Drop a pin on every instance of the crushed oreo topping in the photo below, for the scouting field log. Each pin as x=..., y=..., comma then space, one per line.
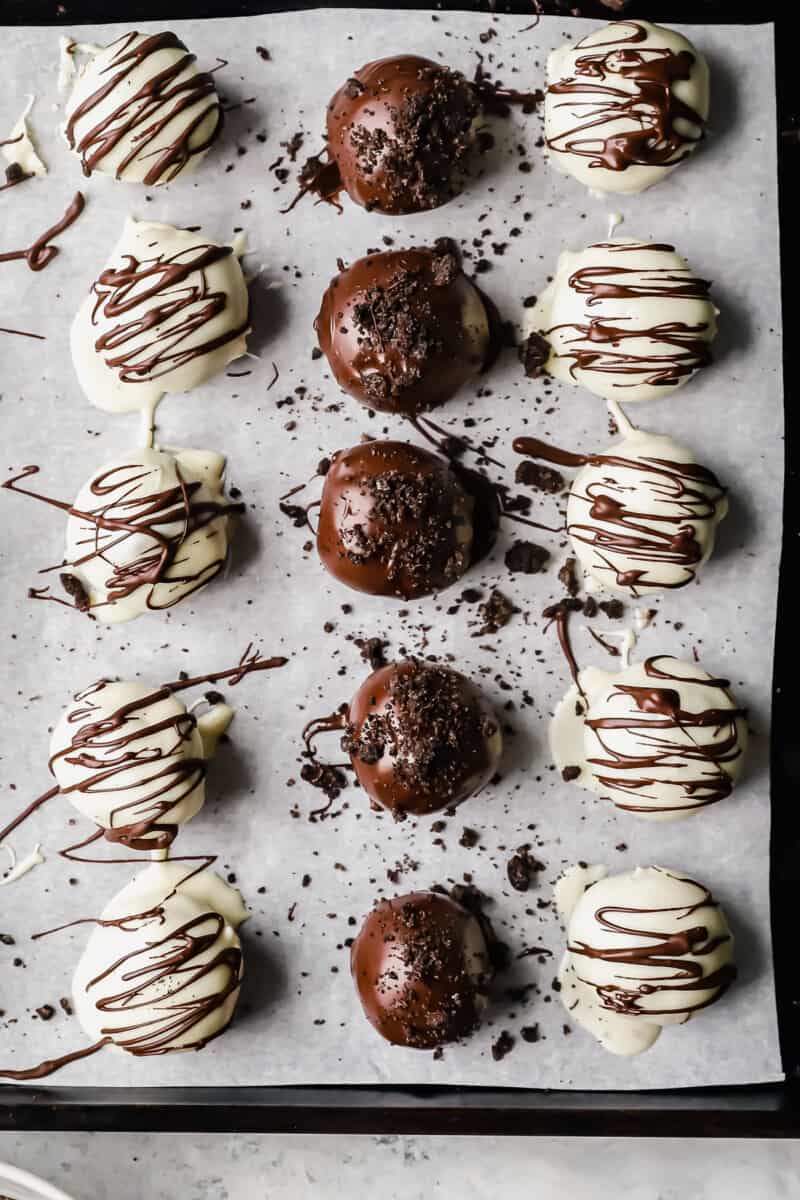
x=526, y=558
x=425, y=729
x=533, y=354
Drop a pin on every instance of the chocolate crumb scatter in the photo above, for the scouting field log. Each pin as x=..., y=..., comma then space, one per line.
x=526, y=558
x=75, y=589
x=522, y=869
x=328, y=778
x=540, y=477
x=502, y=1046
x=533, y=354
x=568, y=576
x=372, y=651
x=494, y=614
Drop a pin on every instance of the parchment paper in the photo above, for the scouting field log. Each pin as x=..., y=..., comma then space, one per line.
x=299, y=1020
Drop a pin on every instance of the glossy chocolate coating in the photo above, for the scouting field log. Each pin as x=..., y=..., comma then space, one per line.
x=421, y=967
x=421, y=737
x=394, y=520
x=404, y=330
x=399, y=130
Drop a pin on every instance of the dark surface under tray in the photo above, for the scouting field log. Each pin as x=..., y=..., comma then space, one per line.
x=760, y=1111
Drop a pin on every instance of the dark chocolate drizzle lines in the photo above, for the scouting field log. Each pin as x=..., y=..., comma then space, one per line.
x=23, y=333
x=662, y=951
x=108, y=747
x=685, y=496
x=143, y=114
x=157, y=296
x=50, y=1065
x=649, y=744
x=672, y=351
x=603, y=108
x=126, y=512
x=161, y=975
x=41, y=252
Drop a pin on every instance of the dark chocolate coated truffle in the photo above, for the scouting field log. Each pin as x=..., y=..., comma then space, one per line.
x=405, y=329
x=399, y=131
x=421, y=737
x=422, y=970
x=394, y=520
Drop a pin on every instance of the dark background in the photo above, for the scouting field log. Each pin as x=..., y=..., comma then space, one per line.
x=757, y=1111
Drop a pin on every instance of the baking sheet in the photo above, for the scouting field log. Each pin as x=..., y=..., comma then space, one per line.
x=299, y=1021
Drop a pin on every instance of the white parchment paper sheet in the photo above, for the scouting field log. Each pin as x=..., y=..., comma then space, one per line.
x=299, y=1020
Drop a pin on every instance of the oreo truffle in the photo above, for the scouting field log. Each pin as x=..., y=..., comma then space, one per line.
x=421, y=966
x=399, y=131
x=421, y=737
x=394, y=520
x=645, y=949
x=404, y=330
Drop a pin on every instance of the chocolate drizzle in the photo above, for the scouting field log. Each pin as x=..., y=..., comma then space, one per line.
x=127, y=512
x=670, y=953
x=40, y=252
x=668, y=353
x=110, y=747
x=685, y=497
x=618, y=126
x=143, y=113
x=158, y=296
x=165, y=973
x=50, y=1065
x=661, y=744
x=39, y=337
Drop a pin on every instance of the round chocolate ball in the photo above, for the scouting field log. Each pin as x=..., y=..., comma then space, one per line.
x=421, y=966
x=394, y=520
x=399, y=131
x=421, y=737
x=405, y=329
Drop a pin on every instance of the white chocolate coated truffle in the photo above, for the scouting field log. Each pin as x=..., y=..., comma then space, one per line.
x=645, y=949
x=624, y=105
x=627, y=320
x=169, y=311
x=162, y=970
x=141, y=111
x=643, y=516
x=148, y=530
x=132, y=759
x=661, y=738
